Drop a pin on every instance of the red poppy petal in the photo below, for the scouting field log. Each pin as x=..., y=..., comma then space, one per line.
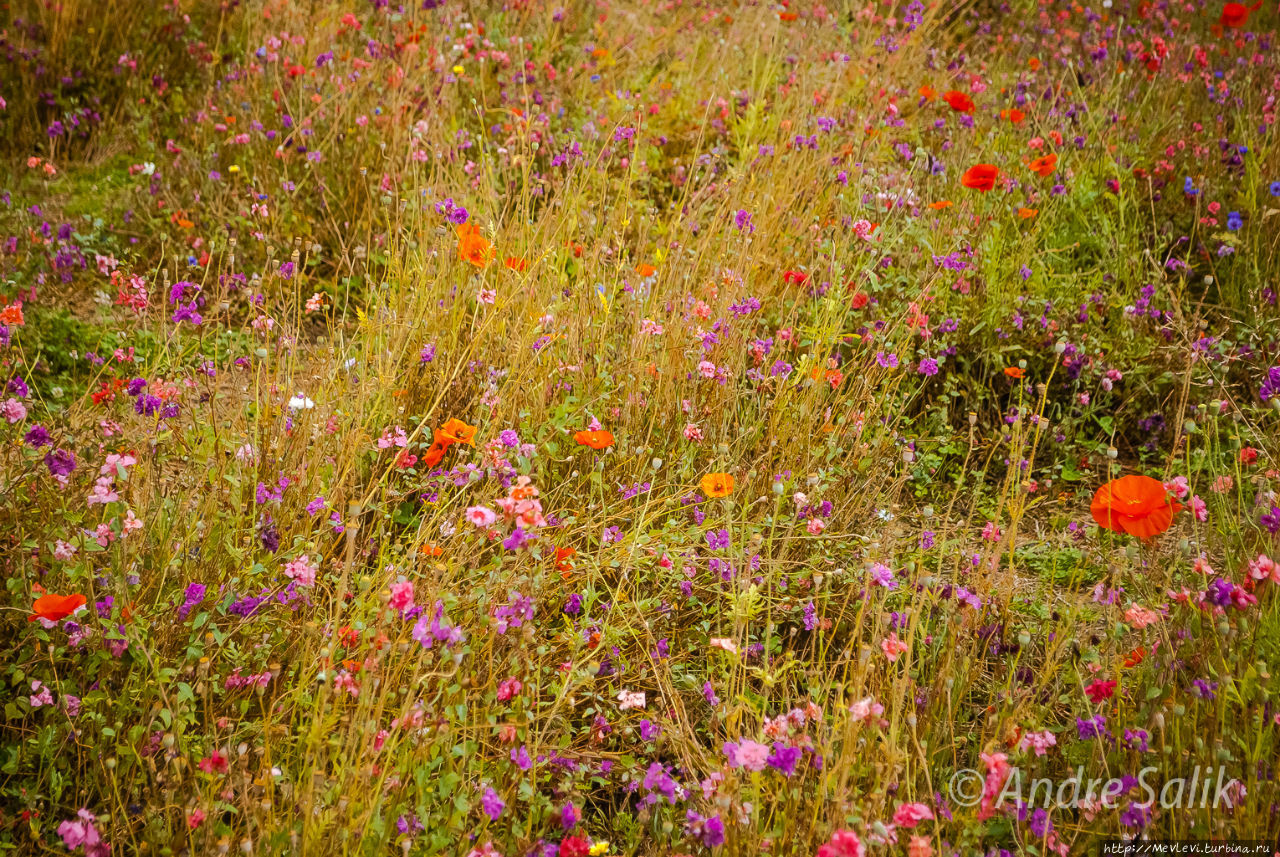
x=1102, y=512
x=1137, y=495
x=1152, y=524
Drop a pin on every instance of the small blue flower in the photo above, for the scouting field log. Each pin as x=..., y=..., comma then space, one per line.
x=1274, y=188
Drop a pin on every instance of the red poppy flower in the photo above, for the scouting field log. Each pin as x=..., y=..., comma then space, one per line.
x=1044, y=165
x=1137, y=505
x=595, y=439
x=958, y=101
x=564, y=561
x=1237, y=14
x=1013, y=114
x=53, y=607
x=980, y=177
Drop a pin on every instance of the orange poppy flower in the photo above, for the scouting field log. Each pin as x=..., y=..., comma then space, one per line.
x=1014, y=372
x=435, y=454
x=1137, y=505
x=456, y=431
x=12, y=315
x=717, y=484
x=431, y=549
x=646, y=270
x=940, y=204
x=598, y=439
x=564, y=561
x=53, y=607
x=927, y=92
x=516, y=263
x=958, y=101
x=1014, y=115
x=473, y=247
x=980, y=177
x=1033, y=64
x=1028, y=213
x=1044, y=165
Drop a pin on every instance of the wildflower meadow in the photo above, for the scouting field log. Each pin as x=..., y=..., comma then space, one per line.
x=552, y=428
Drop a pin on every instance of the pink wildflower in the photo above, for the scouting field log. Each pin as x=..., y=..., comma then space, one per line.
x=301, y=571
x=402, y=595
x=911, y=814
x=843, y=843
x=892, y=646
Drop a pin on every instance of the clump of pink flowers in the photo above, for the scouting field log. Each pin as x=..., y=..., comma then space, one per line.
x=301, y=571
x=81, y=832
